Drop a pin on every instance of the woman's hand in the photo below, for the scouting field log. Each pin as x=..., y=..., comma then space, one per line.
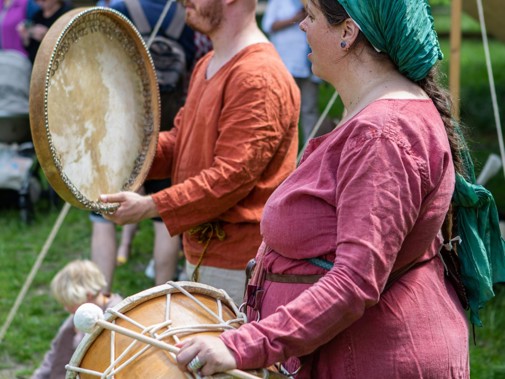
x=206, y=355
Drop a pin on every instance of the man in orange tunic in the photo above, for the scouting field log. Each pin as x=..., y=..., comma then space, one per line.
x=232, y=144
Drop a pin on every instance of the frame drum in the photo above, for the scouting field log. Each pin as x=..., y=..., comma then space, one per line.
x=94, y=107
x=170, y=313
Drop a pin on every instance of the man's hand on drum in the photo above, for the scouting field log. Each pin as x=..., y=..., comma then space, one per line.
x=205, y=354
x=132, y=207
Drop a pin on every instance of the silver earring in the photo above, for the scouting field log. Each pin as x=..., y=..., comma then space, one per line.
x=343, y=44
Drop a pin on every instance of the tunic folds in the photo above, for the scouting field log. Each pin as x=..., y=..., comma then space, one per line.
x=370, y=197
x=232, y=144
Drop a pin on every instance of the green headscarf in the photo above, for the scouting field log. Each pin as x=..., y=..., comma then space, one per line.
x=403, y=29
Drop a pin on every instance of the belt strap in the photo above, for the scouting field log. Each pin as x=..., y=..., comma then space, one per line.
x=292, y=278
x=311, y=279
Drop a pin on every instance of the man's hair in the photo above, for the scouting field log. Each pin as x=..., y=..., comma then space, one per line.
x=74, y=282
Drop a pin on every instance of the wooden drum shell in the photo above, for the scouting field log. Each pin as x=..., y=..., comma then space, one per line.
x=104, y=350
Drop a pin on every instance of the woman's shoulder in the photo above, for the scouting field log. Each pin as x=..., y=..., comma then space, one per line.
x=388, y=117
x=403, y=110
x=410, y=124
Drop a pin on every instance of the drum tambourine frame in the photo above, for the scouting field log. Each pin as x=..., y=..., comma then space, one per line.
x=68, y=30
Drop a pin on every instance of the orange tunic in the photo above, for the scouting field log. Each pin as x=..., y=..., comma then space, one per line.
x=232, y=144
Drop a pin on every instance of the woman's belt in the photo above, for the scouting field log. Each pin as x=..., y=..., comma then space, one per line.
x=313, y=278
x=292, y=278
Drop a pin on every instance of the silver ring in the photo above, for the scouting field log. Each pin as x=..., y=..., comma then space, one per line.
x=195, y=364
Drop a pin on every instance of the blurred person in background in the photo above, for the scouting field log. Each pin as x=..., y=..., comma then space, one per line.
x=34, y=29
x=12, y=13
x=79, y=282
x=280, y=21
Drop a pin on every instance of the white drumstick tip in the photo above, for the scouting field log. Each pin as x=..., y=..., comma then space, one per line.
x=86, y=317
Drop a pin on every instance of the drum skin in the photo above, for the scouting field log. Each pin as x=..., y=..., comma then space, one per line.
x=94, y=106
x=149, y=309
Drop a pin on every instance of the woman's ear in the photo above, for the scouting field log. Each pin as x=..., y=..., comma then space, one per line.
x=350, y=32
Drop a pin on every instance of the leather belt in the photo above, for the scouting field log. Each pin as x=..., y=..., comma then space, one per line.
x=292, y=278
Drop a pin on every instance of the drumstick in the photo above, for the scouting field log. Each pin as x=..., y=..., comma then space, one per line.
x=90, y=315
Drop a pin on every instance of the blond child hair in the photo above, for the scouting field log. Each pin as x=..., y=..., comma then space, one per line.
x=75, y=283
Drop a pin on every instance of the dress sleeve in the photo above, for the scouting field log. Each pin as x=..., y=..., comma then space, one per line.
x=378, y=198
x=252, y=125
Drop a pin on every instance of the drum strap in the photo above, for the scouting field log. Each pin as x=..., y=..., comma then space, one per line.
x=204, y=233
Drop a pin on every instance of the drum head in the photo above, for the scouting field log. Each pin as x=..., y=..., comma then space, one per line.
x=94, y=106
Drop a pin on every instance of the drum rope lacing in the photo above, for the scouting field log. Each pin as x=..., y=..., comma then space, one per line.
x=117, y=365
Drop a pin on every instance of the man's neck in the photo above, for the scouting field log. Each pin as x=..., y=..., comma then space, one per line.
x=229, y=40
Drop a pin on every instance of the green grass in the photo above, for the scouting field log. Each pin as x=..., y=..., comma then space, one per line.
x=487, y=357
x=39, y=316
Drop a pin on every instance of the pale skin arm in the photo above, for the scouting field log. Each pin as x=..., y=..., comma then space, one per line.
x=37, y=32
x=281, y=24
x=211, y=351
x=132, y=207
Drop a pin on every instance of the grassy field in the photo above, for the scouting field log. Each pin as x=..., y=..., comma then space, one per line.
x=39, y=315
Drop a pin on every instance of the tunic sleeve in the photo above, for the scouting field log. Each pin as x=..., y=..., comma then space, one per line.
x=163, y=159
x=378, y=197
x=250, y=132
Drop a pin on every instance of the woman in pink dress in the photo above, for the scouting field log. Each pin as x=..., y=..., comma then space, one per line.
x=349, y=282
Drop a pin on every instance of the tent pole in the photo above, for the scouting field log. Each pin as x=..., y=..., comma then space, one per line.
x=455, y=56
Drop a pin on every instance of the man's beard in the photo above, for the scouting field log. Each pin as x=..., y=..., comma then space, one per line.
x=207, y=19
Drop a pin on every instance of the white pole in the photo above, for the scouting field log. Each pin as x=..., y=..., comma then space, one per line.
x=491, y=83
x=34, y=270
x=319, y=122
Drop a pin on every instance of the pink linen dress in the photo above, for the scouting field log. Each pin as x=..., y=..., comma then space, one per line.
x=370, y=197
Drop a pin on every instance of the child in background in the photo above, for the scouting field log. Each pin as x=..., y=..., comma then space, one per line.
x=79, y=282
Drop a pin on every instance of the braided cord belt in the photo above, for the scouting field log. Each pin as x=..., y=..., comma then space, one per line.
x=204, y=233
